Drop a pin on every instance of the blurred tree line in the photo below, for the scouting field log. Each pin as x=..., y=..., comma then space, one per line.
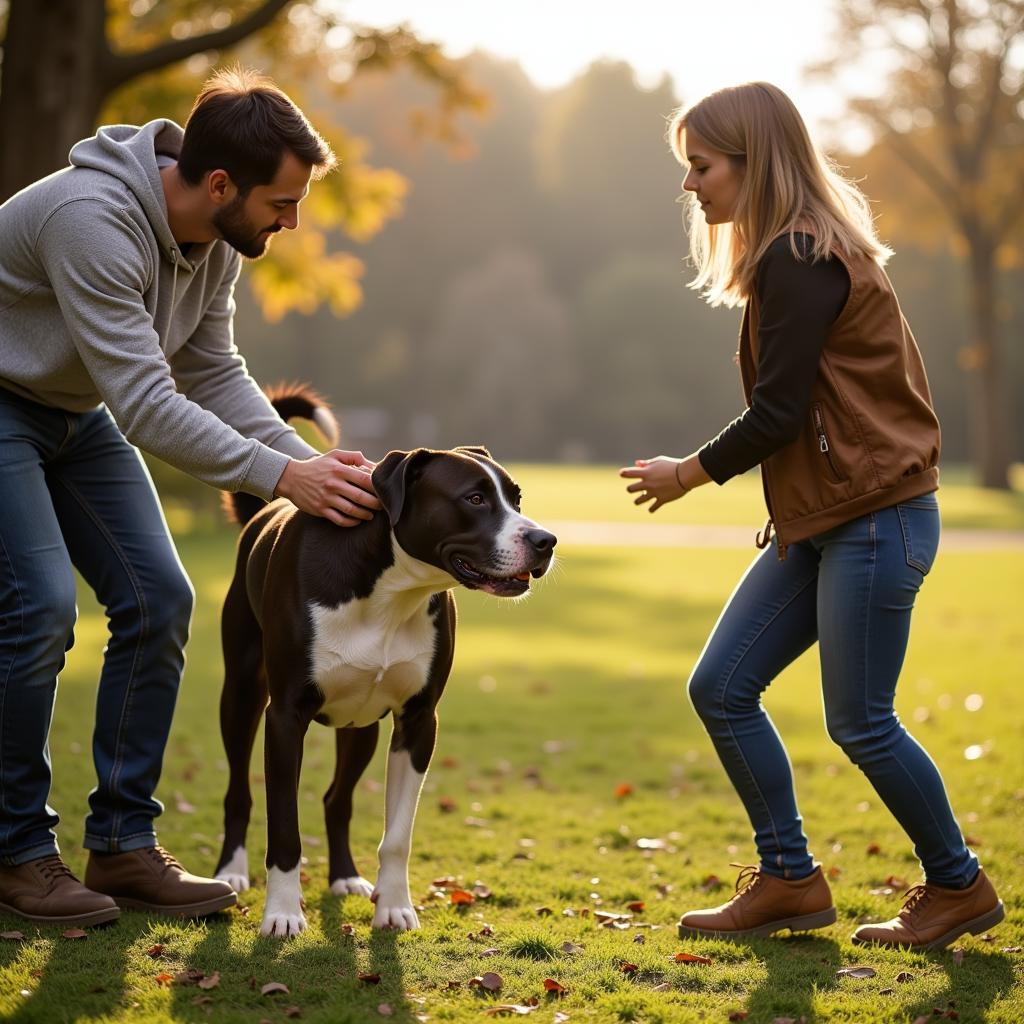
x=511, y=268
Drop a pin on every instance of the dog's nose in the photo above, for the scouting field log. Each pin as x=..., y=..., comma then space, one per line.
x=540, y=540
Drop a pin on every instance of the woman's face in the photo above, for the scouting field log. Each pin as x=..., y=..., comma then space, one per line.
x=713, y=176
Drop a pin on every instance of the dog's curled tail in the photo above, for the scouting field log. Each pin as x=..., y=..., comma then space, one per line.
x=292, y=401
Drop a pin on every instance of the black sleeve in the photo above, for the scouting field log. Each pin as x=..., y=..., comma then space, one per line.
x=799, y=302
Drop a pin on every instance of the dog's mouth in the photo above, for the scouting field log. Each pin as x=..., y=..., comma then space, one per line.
x=475, y=578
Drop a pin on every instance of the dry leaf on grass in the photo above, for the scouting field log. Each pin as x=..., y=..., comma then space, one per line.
x=623, y=789
x=155, y=951
x=75, y=933
x=489, y=980
x=273, y=988
x=459, y=897
x=385, y=1009
x=210, y=982
x=904, y=976
x=856, y=972
x=628, y=968
x=958, y=957
x=636, y=906
x=509, y=1010
x=571, y=947
x=163, y=978
x=481, y=891
x=691, y=958
x=550, y=985
x=292, y=1011
x=14, y=936
x=370, y=979
x=738, y=1015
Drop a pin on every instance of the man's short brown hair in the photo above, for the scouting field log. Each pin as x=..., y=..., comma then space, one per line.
x=242, y=123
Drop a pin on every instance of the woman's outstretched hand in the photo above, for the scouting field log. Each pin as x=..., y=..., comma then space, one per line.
x=663, y=479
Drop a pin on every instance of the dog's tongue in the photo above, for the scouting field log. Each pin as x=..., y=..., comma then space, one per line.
x=524, y=576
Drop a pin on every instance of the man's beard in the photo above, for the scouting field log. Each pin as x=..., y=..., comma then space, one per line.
x=238, y=231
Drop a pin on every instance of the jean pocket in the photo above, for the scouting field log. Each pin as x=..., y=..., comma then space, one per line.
x=919, y=523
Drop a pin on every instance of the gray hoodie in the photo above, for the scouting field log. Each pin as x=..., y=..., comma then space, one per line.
x=98, y=304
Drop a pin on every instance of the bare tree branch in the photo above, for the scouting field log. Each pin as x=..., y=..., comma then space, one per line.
x=118, y=68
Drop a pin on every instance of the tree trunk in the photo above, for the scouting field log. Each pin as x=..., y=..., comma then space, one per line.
x=50, y=87
x=989, y=419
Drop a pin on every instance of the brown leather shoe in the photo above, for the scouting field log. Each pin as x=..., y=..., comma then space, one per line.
x=46, y=891
x=932, y=917
x=151, y=879
x=764, y=904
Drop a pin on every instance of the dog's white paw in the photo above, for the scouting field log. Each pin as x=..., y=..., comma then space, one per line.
x=236, y=871
x=282, y=913
x=283, y=925
x=394, y=910
x=357, y=886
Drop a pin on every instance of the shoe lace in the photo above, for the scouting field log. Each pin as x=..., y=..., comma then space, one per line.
x=164, y=856
x=52, y=868
x=747, y=878
x=914, y=899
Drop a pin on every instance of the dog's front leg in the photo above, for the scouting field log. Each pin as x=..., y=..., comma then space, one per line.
x=406, y=769
x=285, y=731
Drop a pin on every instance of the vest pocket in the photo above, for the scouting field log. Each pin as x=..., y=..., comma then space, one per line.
x=832, y=469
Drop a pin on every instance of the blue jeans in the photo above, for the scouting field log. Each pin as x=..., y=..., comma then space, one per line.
x=852, y=590
x=74, y=492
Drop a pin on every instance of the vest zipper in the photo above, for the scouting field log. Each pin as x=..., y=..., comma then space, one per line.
x=823, y=445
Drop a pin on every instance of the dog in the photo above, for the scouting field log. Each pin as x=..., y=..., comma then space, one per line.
x=341, y=626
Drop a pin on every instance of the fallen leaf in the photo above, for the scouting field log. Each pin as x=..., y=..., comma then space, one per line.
x=647, y=843
x=628, y=968
x=348, y=929
x=623, y=789
x=1011, y=949
x=921, y=1020
x=202, y=1000
x=75, y=933
x=738, y=1015
x=886, y=991
x=273, y=988
x=904, y=976
x=490, y=981
x=292, y=1011
x=873, y=850
x=446, y=804
x=640, y=938
x=856, y=972
x=784, y=1020
x=13, y=936
x=958, y=957
x=571, y=947
x=445, y=882
x=560, y=1017
x=211, y=982
x=636, y=906
x=691, y=958
x=370, y=979
x=385, y=1009
x=163, y=978
x=711, y=883
x=487, y=930
x=491, y=952
x=550, y=985
x=460, y=897
x=190, y=977
x=183, y=806
x=481, y=891
x=509, y=1010
x=606, y=917
x=454, y=984
x=154, y=951
x=543, y=911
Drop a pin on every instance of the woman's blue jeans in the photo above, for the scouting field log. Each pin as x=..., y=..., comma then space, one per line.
x=852, y=590
x=74, y=492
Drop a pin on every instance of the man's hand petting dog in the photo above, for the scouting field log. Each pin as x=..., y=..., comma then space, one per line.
x=335, y=485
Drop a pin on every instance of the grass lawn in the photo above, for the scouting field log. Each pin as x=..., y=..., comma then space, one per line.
x=571, y=776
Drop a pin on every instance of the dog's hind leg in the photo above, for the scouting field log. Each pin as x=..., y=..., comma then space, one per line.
x=355, y=748
x=242, y=703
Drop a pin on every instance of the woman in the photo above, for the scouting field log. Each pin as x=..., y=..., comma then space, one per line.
x=840, y=421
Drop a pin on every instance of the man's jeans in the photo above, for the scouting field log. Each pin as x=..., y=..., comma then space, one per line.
x=852, y=589
x=73, y=492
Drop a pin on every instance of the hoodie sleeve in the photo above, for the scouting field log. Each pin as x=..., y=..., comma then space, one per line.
x=212, y=373
x=98, y=265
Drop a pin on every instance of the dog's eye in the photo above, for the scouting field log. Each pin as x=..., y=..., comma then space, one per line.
x=475, y=499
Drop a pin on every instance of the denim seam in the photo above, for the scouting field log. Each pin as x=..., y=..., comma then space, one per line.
x=120, y=839
x=724, y=688
x=908, y=542
x=6, y=683
x=143, y=635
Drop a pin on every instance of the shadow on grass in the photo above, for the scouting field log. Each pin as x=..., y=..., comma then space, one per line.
x=800, y=967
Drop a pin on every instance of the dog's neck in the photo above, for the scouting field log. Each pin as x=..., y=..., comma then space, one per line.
x=406, y=586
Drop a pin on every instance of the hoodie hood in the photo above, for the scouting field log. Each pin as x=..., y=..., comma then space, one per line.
x=129, y=154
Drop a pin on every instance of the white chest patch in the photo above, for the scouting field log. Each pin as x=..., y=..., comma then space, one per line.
x=371, y=655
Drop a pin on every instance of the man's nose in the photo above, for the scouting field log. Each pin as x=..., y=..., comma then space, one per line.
x=289, y=220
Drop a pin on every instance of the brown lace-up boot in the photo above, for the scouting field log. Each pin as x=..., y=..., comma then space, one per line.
x=46, y=891
x=151, y=879
x=764, y=904
x=932, y=917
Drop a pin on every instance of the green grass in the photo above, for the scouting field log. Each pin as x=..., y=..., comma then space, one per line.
x=553, y=703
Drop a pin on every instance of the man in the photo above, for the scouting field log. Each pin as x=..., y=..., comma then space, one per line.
x=116, y=282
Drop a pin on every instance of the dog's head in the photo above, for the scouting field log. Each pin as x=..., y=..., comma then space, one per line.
x=458, y=510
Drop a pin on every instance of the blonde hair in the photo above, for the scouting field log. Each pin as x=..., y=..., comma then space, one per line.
x=788, y=186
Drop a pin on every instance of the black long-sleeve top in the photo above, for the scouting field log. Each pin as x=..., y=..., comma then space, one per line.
x=799, y=301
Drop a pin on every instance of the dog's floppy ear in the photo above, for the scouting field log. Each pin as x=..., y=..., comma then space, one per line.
x=392, y=476
x=474, y=450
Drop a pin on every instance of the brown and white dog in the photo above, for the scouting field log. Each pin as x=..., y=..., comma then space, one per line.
x=341, y=626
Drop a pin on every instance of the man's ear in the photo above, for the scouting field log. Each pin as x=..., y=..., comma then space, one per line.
x=393, y=475
x=474, y=450
x=219, y=187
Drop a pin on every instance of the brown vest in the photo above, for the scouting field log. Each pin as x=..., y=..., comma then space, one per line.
x=871, y=437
